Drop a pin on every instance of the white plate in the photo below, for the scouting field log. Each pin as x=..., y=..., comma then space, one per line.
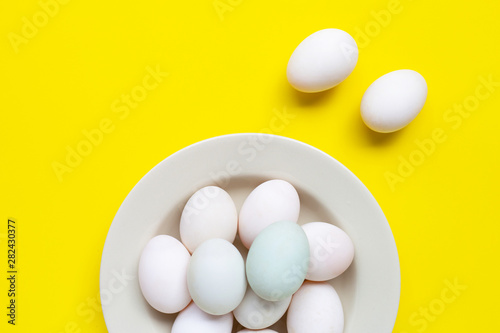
x=329, y=192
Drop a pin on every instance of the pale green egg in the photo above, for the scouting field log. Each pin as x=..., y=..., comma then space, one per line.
x=278, y=260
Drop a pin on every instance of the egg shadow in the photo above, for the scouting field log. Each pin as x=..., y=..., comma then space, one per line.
x=368, y=135
x=168, y=225
x=309, y=100
x=345, y=285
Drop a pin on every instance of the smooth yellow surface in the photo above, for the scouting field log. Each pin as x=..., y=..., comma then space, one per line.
x=226, y=64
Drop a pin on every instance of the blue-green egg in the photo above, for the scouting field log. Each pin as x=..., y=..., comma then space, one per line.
x=278, y=260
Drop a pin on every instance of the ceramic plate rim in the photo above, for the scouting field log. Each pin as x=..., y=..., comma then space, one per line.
x=390, y=306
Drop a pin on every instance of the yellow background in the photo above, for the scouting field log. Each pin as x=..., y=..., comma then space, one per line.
x=226, y=74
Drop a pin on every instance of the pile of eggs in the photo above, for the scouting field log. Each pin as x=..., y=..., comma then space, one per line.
x=286, y=267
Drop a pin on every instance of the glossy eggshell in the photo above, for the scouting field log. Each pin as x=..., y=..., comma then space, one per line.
x=315, y=307
x=209, y=213
x=257, y=313
x=216, y=277
x=392, y=101
x=277, y=261
x=193, y=320
x=322, y=61
x=272, y=201
x=162, y=274
x=331, y=251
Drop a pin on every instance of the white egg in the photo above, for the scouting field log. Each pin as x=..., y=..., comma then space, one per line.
x=322, y=60
x=315, y=307
x=256, y=313
x=163, y=272
x=331, y=251
x=261, y=331
x=209, y=213
x=193, y=320
x=393, y=100
x=216, y=277
x=272, y=201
